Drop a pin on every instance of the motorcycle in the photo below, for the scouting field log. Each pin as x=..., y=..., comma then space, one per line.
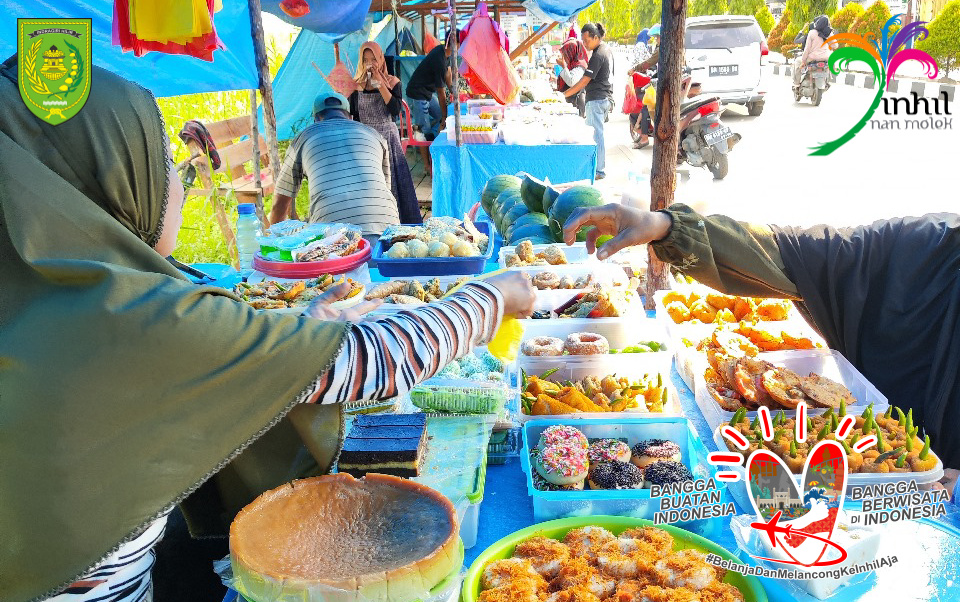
x=704, y=140
x=814, y=81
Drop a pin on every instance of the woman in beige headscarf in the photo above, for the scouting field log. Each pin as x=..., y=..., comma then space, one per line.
x=124, y=387
x=377, y=103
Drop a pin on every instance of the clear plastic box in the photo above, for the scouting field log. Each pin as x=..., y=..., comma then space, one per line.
x=738, y=489
x=504, y=446
x=549, y=505
x=825, y=362
x=619, y=332
x=576, y=253
x=621, y=363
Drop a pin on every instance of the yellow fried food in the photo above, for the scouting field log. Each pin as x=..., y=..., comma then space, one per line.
x=674, y=296
x=742, y=307
x=797, y=342
x=721, y=301
x=678, y=312
x=725, y=316
x=525, y=252
x=703, y=311
x=773, y=310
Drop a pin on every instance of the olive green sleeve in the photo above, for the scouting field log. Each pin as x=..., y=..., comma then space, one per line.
x=730, y=256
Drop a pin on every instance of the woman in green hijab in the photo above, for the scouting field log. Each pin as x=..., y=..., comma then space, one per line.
x=123, y=387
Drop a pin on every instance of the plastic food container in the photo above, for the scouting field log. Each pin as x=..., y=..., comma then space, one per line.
x=576, y=253
x=548, y=505
x=619, y=332
x=825, y=362
x=389, y=308
x=312, y=269
x=632, y=366
x=433, y=266
x=461, y=396
x=470, y=521
x=504, y=446
x=750, y=587
x=739, y=491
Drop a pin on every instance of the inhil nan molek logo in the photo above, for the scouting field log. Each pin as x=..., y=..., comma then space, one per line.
x=53, y=66
x=884, y=55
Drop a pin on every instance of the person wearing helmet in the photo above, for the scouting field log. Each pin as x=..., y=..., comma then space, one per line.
x=815, y=48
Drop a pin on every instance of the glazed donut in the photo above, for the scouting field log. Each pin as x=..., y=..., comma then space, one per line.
x=665, y=472
x=563, y=464
x=653, y=450
x=615, y=475
x=586, y=343
x=546, y=281
x=562, y=435
x=542, y=346
x=608, y=450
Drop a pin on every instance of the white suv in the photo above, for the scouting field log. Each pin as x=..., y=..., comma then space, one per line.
x=728, y=51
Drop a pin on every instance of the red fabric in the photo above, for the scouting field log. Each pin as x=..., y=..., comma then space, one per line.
x=201, y=47
x=824, y=525
x=631, y=104
x=575, y=53
x=486, y=65
x=572, y=34
x=429, y=43
x=295, y=8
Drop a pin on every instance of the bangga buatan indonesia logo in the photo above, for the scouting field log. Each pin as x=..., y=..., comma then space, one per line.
x=884, y=55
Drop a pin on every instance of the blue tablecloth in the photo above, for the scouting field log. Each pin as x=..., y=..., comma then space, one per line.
x=460, y=173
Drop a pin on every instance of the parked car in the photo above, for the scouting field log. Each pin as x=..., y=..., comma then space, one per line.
x=730, y=48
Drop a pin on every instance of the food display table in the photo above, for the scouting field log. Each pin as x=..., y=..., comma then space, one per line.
x=460, y=173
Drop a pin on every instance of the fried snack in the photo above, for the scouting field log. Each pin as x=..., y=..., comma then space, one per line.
x=674, y=297
x=546, y=281
x=547, y=556
x=513, y=261
x=265, y=303
x=785, y=386
x=416, y=290
x=825, y=393
x=797, y=342
x=405, y=300
x=721, y=301
x=678, y=312
x=773, y=310
x=742, y=307
x=384, y=290
x=748, y=381
x=703, y=311
x=525, y=252
x=554, y=255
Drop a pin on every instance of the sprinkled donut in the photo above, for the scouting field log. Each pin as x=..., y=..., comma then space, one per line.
x=653, y=450
x=615, y=475
x=562, y=435
x=586, y=343
x=608, y=450
x=541, y=484
x=545, y=281
x=563, y=464
x=665, y=472
x=542, y=346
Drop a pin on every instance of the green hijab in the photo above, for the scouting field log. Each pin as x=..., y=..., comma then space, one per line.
x=123, y=386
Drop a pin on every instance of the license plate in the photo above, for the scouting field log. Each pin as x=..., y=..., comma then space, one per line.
x=721, y=70
x=718, y=135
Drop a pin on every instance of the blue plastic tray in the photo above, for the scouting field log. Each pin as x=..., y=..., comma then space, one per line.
x=434, y=266
x=549, y=505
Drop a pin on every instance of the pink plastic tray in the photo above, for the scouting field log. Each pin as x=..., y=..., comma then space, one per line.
x=312, y=269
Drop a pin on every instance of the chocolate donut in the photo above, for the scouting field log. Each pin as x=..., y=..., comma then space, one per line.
x=665, y=472
x=653, y=450
x=615, y=475
x=542, y=347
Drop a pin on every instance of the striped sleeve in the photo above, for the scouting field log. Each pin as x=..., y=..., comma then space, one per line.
x=291, y=171
x=386, y=358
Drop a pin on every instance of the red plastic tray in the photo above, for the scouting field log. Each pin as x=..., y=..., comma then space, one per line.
x=312, y=269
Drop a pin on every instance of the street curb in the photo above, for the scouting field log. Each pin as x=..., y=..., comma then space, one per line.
x=901, y=87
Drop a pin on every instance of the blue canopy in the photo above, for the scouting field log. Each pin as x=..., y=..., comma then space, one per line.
x=331, y=19
x=557, y=10
x=234, y=68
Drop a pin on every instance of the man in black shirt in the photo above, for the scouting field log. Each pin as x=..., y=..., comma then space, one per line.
x=596, y=81
x=432, y=76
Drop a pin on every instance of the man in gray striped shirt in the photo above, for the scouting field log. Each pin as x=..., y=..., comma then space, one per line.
x=348, y=166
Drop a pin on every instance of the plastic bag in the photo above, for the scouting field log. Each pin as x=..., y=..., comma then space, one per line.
x=650, y=98
x=486, y=65
x=631, y=104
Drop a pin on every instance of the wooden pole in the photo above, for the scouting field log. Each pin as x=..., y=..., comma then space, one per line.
x=423, y=32
x=396, y=29
x=266, y=87
x=255, y=137
x=455, y=74
x=532, y=39
x=666, y=117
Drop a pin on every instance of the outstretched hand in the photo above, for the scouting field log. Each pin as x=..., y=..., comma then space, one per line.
x=628, y=227
x=321, y=310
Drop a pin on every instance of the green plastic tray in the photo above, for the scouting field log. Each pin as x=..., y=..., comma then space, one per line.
x=557, y=529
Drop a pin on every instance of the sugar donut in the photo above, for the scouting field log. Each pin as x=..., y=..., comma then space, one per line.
x=653, y=450
x=563, y=464
x=608, y=450
x=546, y=281
x=586, y=343
x=615, y=475
x=542, y=346
x=562, y=435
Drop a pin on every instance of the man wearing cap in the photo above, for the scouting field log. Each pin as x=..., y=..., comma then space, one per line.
x=348, y=166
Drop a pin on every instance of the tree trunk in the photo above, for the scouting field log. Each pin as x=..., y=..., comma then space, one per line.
x=666, y=117
x=266, y=87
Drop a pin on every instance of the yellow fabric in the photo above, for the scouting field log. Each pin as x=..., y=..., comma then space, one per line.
x=176, y=21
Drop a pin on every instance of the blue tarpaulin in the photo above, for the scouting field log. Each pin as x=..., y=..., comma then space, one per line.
x=557, y=10
x=163, y=74
x=297, y=82
x=332, y=19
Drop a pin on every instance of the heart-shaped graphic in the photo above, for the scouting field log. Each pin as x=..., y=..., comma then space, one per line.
x=799, y=525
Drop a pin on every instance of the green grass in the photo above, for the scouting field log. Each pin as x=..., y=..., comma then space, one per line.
x=200, y=239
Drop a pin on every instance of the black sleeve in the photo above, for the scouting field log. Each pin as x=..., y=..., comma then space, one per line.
x=396, y=95
x=354, y=101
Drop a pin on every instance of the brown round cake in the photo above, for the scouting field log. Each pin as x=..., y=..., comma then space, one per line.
x=337, y=538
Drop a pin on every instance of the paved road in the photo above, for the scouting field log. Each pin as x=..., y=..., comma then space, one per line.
x=772, y=179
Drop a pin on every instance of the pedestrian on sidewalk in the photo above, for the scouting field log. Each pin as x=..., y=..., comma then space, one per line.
x=596, y=82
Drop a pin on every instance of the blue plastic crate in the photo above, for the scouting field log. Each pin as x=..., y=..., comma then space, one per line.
x=549, y=505
x=434, y=266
